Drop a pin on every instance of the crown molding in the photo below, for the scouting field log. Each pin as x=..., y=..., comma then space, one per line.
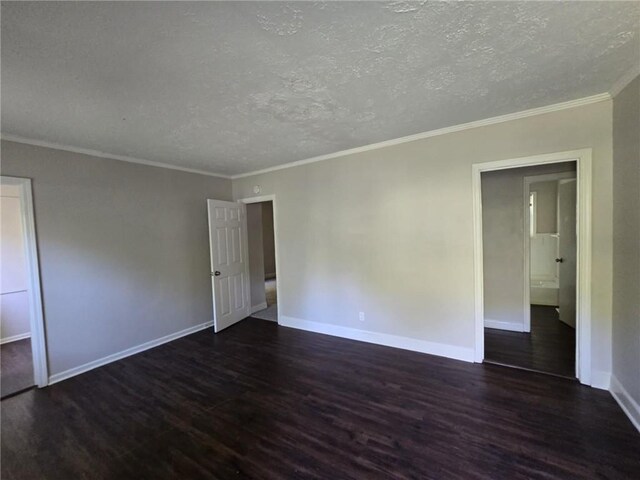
x=373, y=146
x=441, y=131
x=624, y=80
x=97, y=153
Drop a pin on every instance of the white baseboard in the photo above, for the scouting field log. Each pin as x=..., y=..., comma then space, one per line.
x=405, y=343
x=257, y=308
x=626, y=402
x=600, y=379
x=72, y=372
x=15, y=338
x=501, y=325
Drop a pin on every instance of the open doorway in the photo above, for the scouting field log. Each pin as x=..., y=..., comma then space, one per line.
x=582, y=159
x=530, y=260
x=22, y=359
x=262, y=259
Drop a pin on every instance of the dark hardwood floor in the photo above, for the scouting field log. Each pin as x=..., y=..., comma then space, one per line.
x=267, y=402
x=16, y=367
x=550, y=347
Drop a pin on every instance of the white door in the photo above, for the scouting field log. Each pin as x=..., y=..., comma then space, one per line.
x=567, y=251
x=229, y=262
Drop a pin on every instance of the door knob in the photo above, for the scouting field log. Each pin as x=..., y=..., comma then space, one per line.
x=559, y=260
x=216, y=273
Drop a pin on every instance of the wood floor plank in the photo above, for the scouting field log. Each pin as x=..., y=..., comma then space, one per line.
x=267, y=402
x=16, y=367
x=549, y=347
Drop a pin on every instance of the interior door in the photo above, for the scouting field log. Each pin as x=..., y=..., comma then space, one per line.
x=567, y=251
x=229, y=262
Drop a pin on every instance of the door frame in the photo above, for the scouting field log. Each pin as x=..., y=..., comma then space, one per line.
x=583, y=254
x=36, y=316
x=270, y=198
x=527, y=239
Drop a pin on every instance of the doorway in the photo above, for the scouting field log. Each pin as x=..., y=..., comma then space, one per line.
x=262, y=257
x=22, y=357
x=518, y=292
x=542, y=336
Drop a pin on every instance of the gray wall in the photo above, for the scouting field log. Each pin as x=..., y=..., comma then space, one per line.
x=546, y=206
x=503, y=240
x=268, y=240
x=256, y=257
x=626, y=240
x=124, y=250
x=390, y=232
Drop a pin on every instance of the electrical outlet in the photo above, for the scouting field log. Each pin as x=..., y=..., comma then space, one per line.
x=361, y=316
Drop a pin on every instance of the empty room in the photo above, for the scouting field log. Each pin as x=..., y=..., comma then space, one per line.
x=320, y=240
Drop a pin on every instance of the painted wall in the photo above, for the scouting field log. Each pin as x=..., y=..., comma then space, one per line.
x=626, y=241
x=546, y=206
x=124, y=250
x=503, y=242
x=14, y=296
x=256, y=257
x=389, y=231
x=268, y=240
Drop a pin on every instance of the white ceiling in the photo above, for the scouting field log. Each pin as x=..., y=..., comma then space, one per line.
x=232, y=87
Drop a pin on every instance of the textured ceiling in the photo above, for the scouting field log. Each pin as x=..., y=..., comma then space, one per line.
x=234, y=87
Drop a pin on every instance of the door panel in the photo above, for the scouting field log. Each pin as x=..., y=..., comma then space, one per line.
x=221, y=247
x=567, y=251
x=229, y=265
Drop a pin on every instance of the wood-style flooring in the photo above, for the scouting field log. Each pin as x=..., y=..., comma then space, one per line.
x=267, y=402
x=550, y=347
x=16, y=367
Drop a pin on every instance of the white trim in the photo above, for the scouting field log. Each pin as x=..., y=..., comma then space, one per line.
x=440, y=131
x=526, y=317
x=15, y=338
x=624, y=80
x=502, y=325
x=583, y=275
x=478, y=266
x=97, y=153
x=13, y=291
x=272, y=199
x=72, y=372
x=257, y=308
x=260, y=199
x=531, y=224
x=629, y=406
x=600, y=379
x=405, y=343
x=527, y=238
x=36, y=316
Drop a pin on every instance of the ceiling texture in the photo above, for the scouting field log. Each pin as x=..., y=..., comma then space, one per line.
x=233, y=87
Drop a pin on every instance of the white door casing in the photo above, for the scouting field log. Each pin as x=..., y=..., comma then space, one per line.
x=583, y=250
x=279, y=288
x=567, y=251
x=229, y=262
x=36, y=315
